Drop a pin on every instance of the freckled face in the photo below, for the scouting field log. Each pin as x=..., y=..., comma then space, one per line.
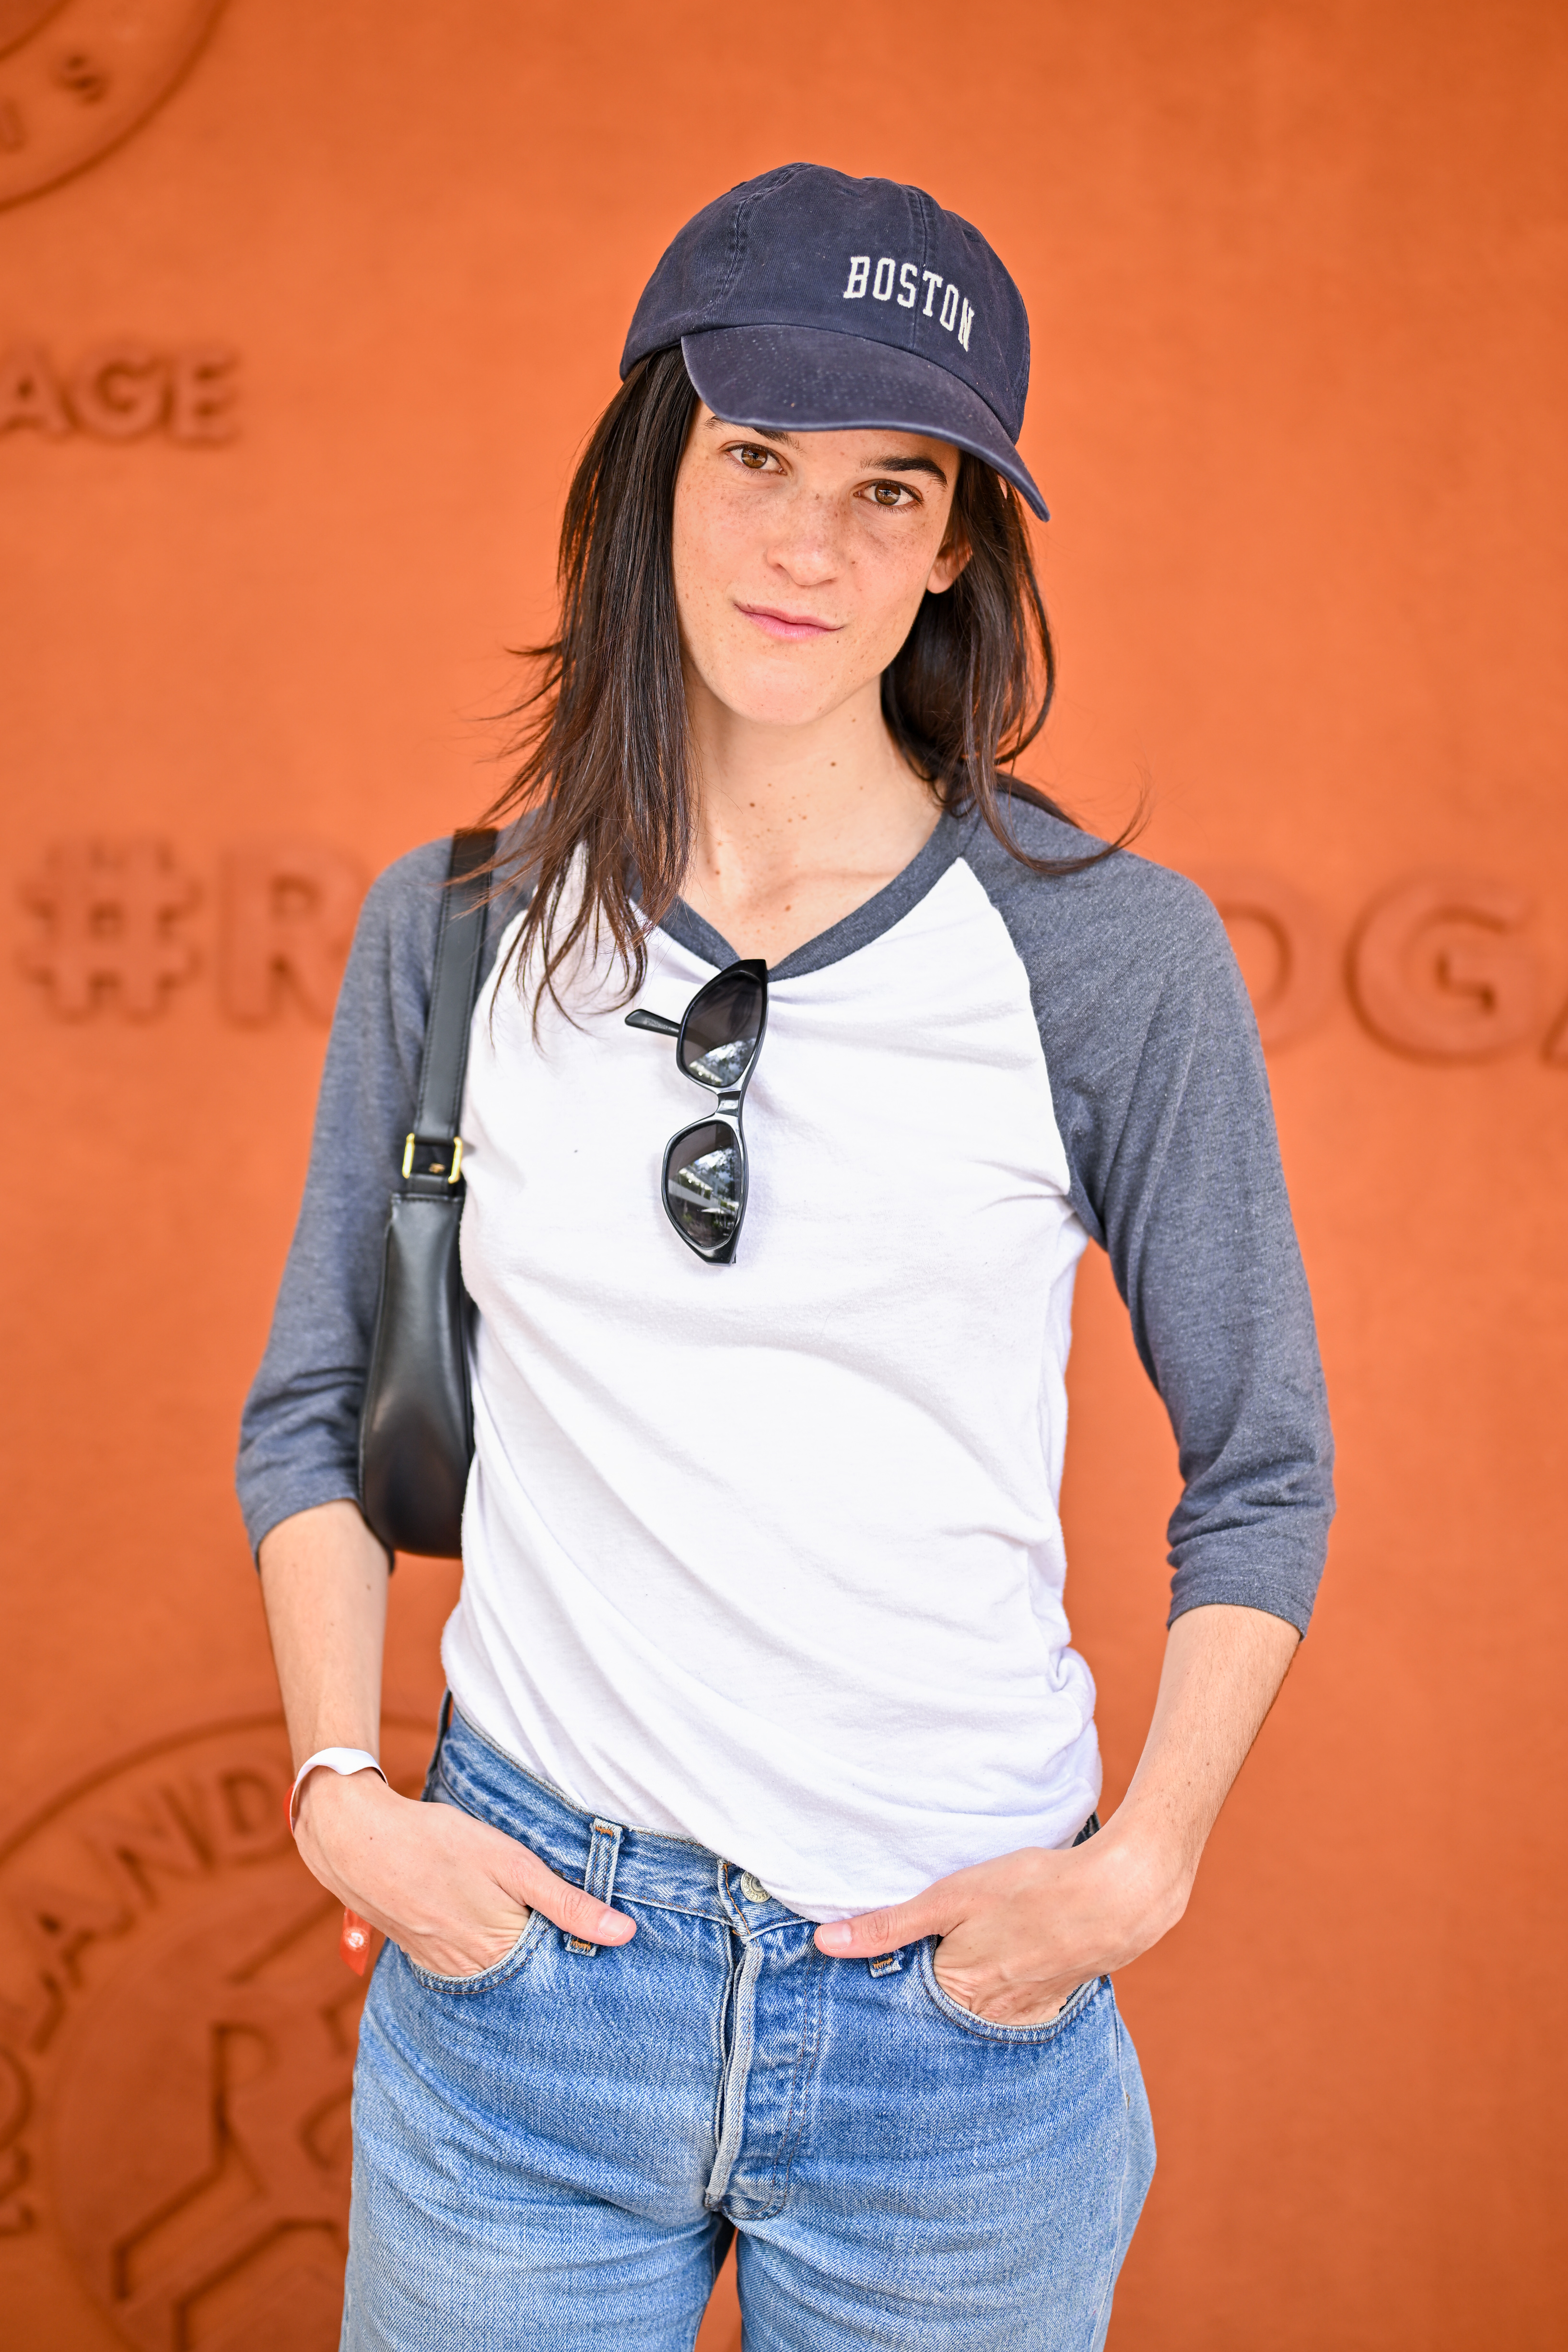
x=800, y=560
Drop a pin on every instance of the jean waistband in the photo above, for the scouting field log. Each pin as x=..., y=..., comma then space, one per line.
x=614, y=1860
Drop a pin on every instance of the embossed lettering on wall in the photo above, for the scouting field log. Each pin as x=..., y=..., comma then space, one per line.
x=121, y=390
x=1439, y=966
x=288, y=910
x=78, y=76
x=177, y=2043
x=115, y=925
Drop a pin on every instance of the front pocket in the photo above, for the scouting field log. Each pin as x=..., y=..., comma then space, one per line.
x=988, y=2029
x=486, y=1979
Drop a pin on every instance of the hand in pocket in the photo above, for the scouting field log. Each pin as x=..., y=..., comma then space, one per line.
x=452, y=1892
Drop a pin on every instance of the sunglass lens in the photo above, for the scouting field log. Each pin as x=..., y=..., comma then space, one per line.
x=705, y=1183
x=721, y=1029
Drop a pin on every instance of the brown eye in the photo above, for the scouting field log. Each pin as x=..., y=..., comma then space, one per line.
x=888, y=494
x=752, y=460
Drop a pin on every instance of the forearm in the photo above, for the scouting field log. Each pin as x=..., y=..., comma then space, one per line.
x=323, y=1585
x=1221, y=1672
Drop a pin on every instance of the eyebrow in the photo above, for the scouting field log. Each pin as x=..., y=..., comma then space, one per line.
x=907, y=466
x=782, y=440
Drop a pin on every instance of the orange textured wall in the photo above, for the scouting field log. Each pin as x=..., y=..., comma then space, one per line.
x=296, y=351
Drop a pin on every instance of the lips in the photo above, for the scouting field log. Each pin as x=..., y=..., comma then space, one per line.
x=790, y=627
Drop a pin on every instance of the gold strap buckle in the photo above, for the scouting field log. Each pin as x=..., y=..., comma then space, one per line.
x=449, y=1148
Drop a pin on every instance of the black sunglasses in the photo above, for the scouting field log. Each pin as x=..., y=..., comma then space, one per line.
x=704, y=1182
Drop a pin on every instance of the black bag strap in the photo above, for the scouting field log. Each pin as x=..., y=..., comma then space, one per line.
x=433, y=1153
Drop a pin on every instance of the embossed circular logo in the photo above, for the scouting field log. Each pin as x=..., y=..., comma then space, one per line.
x=176, y=2047
x=78, y=75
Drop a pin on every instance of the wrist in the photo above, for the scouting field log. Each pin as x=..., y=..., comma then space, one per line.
x=1153, y=1868
x=338, y=1827
x=323, y=1799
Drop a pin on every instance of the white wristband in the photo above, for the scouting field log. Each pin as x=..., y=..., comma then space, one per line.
x=336, y=1759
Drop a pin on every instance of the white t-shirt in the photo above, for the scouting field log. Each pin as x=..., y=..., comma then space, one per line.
x=767, y=1555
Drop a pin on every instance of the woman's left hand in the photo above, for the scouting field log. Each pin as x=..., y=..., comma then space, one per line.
x=1021, y=1934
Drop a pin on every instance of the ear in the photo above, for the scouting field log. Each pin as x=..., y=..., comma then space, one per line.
x=949, y=564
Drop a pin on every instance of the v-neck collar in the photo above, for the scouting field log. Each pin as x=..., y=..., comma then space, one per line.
x=853, y=931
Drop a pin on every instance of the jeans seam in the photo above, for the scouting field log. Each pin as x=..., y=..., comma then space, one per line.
x=674, y=1910
x=488, y=1979
x=1101, y=2307
x=736, y=2077
x=723, y=2046
x=988, y=2029
x=805, y=2060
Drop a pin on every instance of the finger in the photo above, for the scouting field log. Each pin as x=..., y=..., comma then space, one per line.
x=579, y=1914
x=887, y=1930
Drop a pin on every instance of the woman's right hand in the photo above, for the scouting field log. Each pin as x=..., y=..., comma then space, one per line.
x=453, y=1892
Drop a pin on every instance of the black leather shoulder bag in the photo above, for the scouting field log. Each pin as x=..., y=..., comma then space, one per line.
x=416, y=1424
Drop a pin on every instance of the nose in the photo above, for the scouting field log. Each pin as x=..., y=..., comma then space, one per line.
x=805, y=542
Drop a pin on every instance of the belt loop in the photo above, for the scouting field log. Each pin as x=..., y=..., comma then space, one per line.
x=599, y=1878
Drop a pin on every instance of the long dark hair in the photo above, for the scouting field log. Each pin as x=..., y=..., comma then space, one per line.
x=605, y=771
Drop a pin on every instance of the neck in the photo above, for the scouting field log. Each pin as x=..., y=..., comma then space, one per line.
x=796, y=826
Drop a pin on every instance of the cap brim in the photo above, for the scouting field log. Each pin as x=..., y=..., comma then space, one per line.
x=804, y=380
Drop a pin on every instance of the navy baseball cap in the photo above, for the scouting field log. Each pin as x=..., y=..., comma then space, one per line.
x=808, y=302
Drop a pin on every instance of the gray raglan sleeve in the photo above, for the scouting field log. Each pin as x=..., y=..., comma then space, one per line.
x=300, y=1430
x=1163, y=1101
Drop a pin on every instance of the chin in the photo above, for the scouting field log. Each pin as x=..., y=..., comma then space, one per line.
x=780, y=709
x=771, y=695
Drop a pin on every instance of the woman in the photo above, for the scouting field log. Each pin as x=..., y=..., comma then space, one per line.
x=760, y=1891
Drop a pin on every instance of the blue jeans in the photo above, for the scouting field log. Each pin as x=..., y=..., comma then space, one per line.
x=557, y=2153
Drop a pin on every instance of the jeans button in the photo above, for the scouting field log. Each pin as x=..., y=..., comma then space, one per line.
x=752, y=1888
